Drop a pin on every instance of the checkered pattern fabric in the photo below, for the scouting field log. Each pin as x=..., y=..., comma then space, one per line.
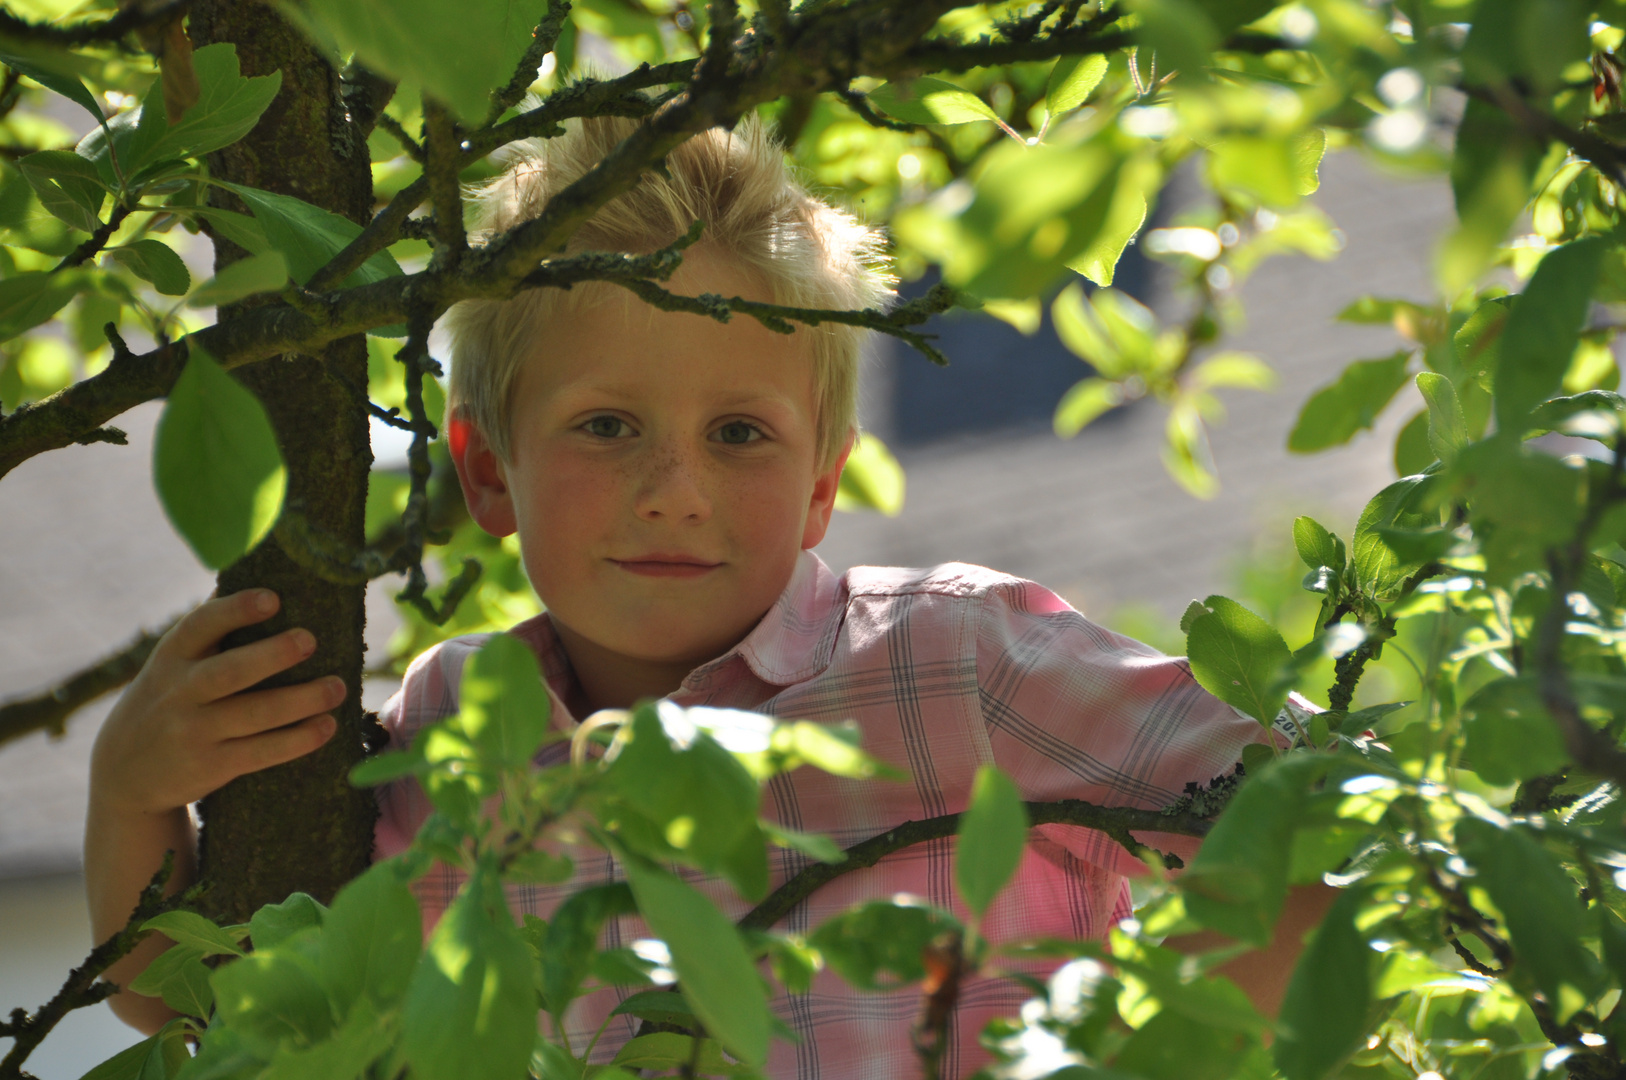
x=944, y=670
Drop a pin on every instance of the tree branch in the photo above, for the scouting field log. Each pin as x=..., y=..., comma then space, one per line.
x=778, y=318
x=49, y=710
x=442, y=161
x=133, y=17
x=833, y=45
x=98, y=239
x=1118, y=822
x=543, y=39
x=84, y=986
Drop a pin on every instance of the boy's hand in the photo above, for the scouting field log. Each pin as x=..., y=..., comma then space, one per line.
x=184, y=728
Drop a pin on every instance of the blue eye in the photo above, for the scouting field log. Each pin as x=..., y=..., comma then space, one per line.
x=606, y=427
x=738, y=433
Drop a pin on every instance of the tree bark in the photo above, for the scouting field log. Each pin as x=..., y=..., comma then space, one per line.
x=299, y=826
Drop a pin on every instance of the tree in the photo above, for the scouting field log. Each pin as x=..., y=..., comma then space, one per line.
x=1012, y=146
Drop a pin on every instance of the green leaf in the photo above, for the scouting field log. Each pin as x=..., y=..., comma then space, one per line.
x=388, y=766
x=128, y=1064
x=668, y=1051
x=308, y=236
x=881, y=938
x=1238, y=657
x=155, y=261
x=505, y=705
x=1379, y=568
x=1033, y=211
x=1172, y=1046
x=1316, y=546
x=813, y=845
x=1237, y=370
x=216, y=464
x=1492, y=169
x=872, y=479
x=371, y=939
x=1336, y=412
x=240, y=229
x=364, y=1037
x=178, y=976
x=1238, y=881
x=228, y=108
x=68, y=85
x=993, y=834
x=1538, y=903
x=1511, y=736
x=1084, y=402
x=712, y=965
x=572, y=937
x=1525, y=40
x=1412, y=454
x=696, y=801
x=275, y=923
x=1072, y=81
x=67, y=185
x=1476, y=343
x=1541, y=333
x=1447, y=427
x=661, y=1006
x=274, y=996
x=1323, y=1018
x=28, y=299
x=1138, y=182
x=459, y=52
x=830, y=747
x=195, y=932
x=1275, y=171
x=931, y=101
x=1179, y=32
x=245, y=277
x=472, y=1000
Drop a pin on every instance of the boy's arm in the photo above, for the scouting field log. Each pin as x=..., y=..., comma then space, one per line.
x=1263, y=974
x=184, y=728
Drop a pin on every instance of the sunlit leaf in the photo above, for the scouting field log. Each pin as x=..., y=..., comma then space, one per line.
x=992, y=836
x=216, y=463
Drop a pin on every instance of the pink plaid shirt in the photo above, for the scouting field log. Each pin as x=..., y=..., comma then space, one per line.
x=944, y=670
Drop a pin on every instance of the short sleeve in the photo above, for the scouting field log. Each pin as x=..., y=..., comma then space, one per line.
x=1075, y=711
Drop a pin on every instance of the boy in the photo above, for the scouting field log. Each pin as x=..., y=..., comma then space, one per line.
x=666, y=475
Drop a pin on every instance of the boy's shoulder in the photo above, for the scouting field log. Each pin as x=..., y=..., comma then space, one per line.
x=947, y=579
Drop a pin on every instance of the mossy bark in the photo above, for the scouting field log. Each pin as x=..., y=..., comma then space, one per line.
x=298, y=826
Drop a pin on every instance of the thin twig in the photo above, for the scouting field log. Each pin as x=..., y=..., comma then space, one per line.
x=393, y=128
x=50, y=709
x=543, y=39
x=98, y=239
x=84, y=986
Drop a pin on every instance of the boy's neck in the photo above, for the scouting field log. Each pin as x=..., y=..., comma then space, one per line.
x=611, y=680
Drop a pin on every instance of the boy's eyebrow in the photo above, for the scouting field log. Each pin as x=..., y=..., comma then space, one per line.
x=733, y=399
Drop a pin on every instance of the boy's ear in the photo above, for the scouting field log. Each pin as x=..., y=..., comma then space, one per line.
x=823, y=503
x=484, y=479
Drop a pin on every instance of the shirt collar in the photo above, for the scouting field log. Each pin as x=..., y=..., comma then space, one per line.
x=796, y=638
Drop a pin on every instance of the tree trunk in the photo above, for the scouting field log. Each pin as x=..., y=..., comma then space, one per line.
x=299, y=826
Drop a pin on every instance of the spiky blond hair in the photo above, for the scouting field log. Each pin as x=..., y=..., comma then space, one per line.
x=807, y=252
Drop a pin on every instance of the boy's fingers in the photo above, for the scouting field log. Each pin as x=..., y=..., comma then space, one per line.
x=200, y=630
x=225, y=673
x=270, y=748
x=249, y=715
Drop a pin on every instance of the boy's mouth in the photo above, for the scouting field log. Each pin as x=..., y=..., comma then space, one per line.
x=662, y=564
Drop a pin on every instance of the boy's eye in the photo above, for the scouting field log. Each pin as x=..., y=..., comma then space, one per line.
x=606, y=427
x=737, y=432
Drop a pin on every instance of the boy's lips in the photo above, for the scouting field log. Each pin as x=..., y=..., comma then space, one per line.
x=663, y=564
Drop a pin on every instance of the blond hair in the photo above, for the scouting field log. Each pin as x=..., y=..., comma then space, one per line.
x=738, y=182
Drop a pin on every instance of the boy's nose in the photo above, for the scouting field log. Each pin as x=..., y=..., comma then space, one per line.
x=673, y=489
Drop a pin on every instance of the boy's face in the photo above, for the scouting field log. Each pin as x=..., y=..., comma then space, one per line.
x=664, y=476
